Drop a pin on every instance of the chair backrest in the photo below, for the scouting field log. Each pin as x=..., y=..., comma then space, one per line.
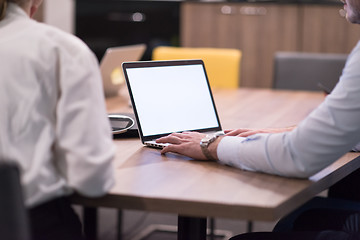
x=14, y=223
x=304, y=71
x=222, y=64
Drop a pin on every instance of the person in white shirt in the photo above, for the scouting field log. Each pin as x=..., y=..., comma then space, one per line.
x=330, y=131
x=53, y=121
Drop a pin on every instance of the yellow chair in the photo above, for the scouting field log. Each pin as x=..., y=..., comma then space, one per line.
x=222, y=64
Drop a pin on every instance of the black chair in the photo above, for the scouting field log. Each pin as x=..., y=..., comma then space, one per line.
x=14, y=223
x=304, y=71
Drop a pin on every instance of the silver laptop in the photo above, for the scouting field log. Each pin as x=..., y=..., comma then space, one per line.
x=170, y=96
x=110, y=66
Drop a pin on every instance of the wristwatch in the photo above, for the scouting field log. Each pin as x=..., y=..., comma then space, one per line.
x=206, y=141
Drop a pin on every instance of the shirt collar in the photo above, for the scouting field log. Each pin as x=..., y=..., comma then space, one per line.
x=15, y=11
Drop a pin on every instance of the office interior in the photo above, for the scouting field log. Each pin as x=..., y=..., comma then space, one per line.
x=259, y=28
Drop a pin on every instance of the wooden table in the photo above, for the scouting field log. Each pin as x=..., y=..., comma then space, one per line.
x=149, y=181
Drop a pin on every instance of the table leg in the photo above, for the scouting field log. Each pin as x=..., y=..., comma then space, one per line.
x=90, y=223
x=212, y=229
x=119, y=224
x=249, y=226
x=191, y=228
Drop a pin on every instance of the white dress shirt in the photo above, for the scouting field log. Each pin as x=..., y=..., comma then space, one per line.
x=53, y=120
x=326, y=134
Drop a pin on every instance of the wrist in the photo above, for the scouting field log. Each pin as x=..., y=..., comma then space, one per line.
x=213, y=148
x=209, y=145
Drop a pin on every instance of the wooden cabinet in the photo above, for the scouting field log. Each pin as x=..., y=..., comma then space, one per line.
x=259, y=30
x=262, y=31
x=325, y=30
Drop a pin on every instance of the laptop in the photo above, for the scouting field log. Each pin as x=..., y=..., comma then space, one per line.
x=170, y=96
x=110, y=66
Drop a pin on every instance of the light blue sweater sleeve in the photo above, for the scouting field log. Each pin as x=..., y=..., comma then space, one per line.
x=326, y=134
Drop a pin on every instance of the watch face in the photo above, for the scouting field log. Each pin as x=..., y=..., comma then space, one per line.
x=208, y=137
x=206, y=140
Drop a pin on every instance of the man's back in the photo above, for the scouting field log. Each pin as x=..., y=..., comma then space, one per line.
x=50, y=95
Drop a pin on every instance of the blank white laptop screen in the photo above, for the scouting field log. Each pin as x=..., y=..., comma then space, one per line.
x=171, y=97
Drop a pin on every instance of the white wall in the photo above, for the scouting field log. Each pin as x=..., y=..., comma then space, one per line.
x=60, y=13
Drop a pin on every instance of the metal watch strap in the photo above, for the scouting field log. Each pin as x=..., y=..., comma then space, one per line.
x=205, y=143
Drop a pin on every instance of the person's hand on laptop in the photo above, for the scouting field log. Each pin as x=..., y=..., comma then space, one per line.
x=245, y=132
x=188, y=144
